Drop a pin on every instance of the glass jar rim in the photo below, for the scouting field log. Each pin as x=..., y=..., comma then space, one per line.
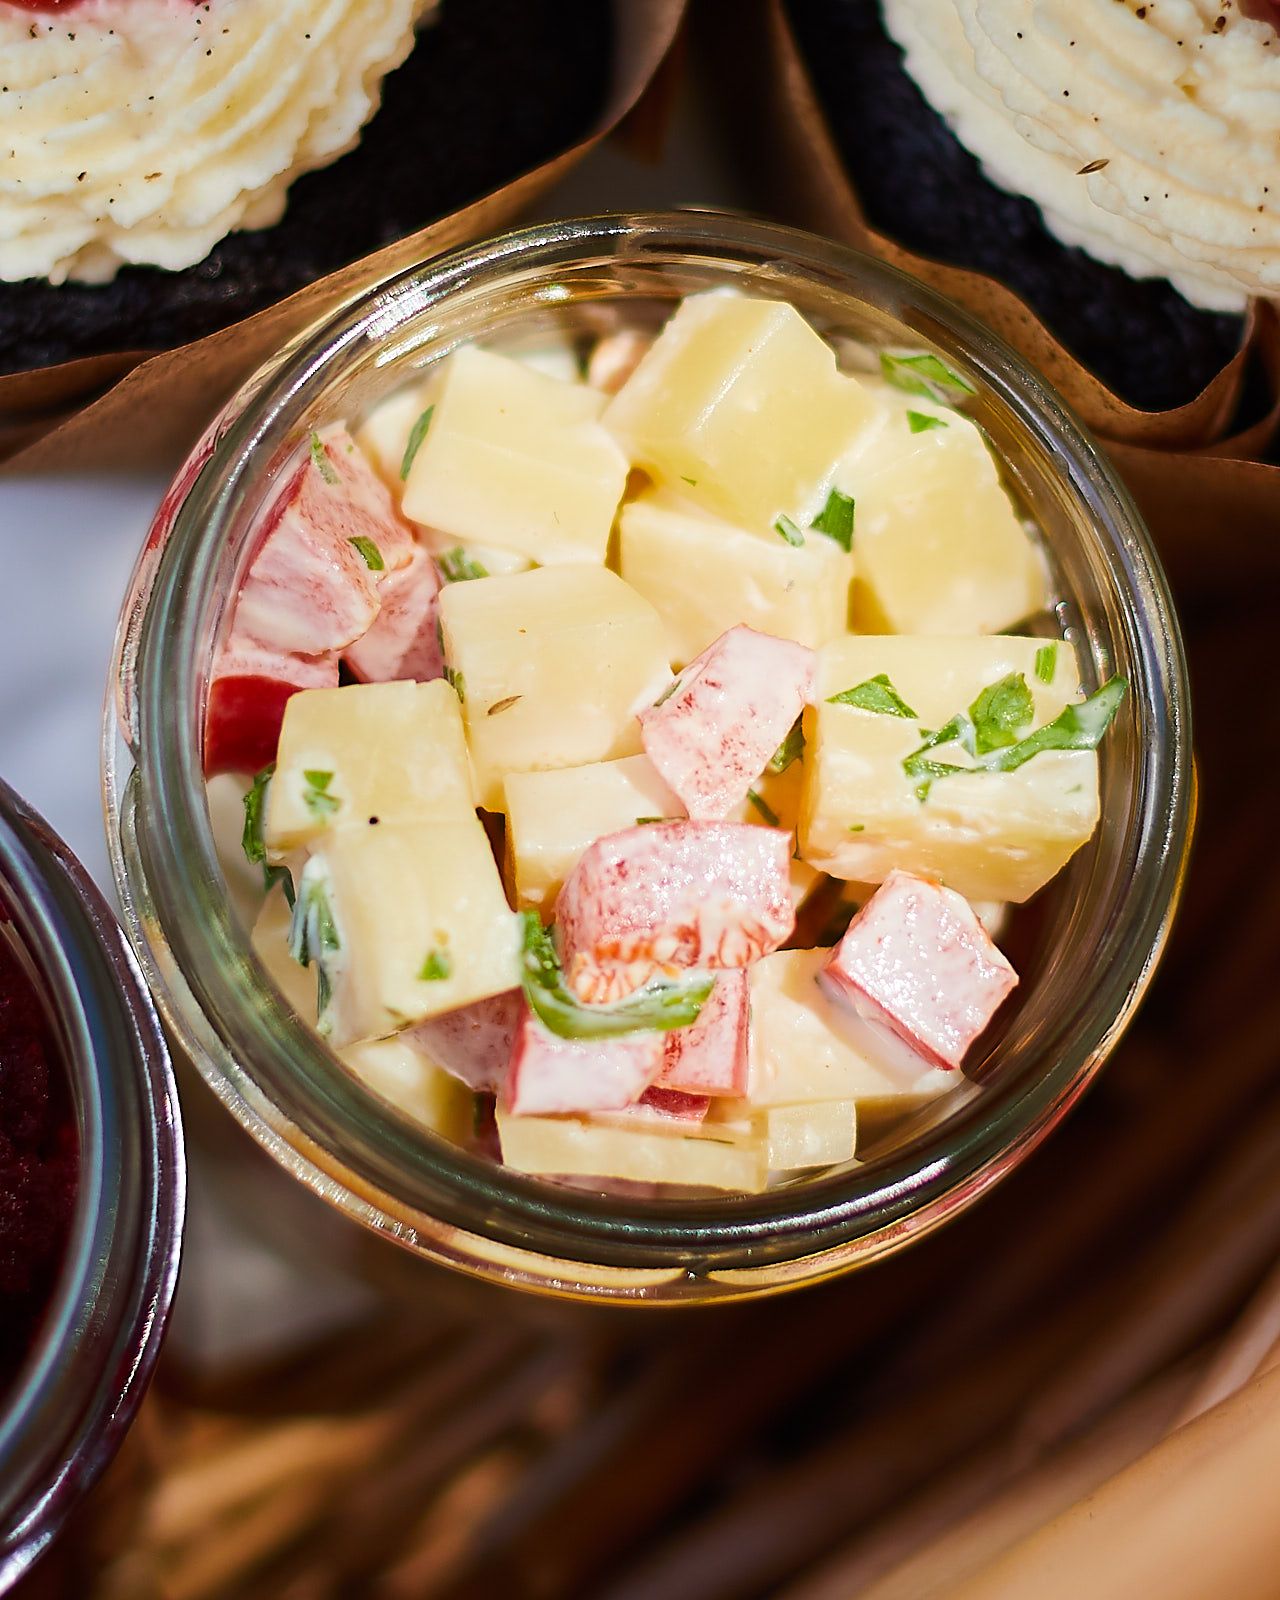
x=80, y=1387
x=412, y=1175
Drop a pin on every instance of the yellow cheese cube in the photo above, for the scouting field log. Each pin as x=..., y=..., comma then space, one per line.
x=940, y=547
x=552, y=666
x=705, y=576
x=404, y=1077
x=516, y=459
x=739, y=406
x=270, y=941
x=567, y=1147
x=552, y=817
x=805, y=1046
x=385, y=433
x=395, y=751
x=422, y=925
x=989, y=835
x=815, y=1135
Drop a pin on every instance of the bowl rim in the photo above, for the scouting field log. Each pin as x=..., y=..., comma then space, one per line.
x=465, y=1196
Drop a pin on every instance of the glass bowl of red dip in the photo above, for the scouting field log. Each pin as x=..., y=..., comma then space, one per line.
x=92, y=1185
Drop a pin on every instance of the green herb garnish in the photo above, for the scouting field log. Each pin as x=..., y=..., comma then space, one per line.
x=370, y=552
x=1046, y=662
x=692, y=482
x=644, y=822
x=763, y=807
x=1076, y=727
x=789, y=531
x=876, y=694
x=319, y=802
x=414, y=442
x=791, y=749
x=456, y=566
x=836, y=519
x=661, y=1005
x=857, y=827
x=1000, y=713
x=313, y=933
x=437, y=965
x=924, y=374
x=320, y=456
x=922, y=421
x=251, y=840
x=666, y=693
x=457, y=682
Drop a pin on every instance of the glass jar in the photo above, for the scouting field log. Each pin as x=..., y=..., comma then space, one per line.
x=1093, y=941
x=98, y=1338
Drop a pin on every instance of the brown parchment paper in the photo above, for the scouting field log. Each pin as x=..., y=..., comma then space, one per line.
x=130, y=410
x=1213, y=505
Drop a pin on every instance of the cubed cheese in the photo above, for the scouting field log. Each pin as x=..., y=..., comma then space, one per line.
x=705, y=575
x=709, y=1057
x=404, y=640
x=516, y=459
x=941, y=549
x=739, y=406
x=989, y=835
x=249, y=687
x=805, y=1046
x=422, y=925
x=475, y=1042
x=385, y=433
x=551, y=666
x=819, y=1134
x=552, y=817
x=713, y=736
x=550, y=1075
x=405, y=1078
x=917, y=960
x=567, y=1147
x=673, y=895
x=394, y=752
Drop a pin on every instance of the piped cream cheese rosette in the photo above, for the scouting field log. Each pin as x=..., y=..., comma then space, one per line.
x=145, y=132
x=1146, y=133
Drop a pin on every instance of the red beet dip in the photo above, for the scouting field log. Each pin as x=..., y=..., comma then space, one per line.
x=39, y=1160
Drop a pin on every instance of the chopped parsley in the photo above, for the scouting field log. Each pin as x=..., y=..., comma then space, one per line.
x=763, y=807
x=876, y=694
x=316, y=797
x=1000, y=713
x=414, y=442
x=370, y=552
x=667, y=693
x=924, y=374
x=320, y=458
x=457, y=682
x=692, y=482
x=1046, y=662
x=644, y=822
x=836, y=519
x=789, y=531
x=922, y=421
x=456, y=566
x=857, y=827
x=1076, y=727
x=791, y=749
x=438, y=965
x=251, y=840
x=313, y=933
x=660, y=1005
